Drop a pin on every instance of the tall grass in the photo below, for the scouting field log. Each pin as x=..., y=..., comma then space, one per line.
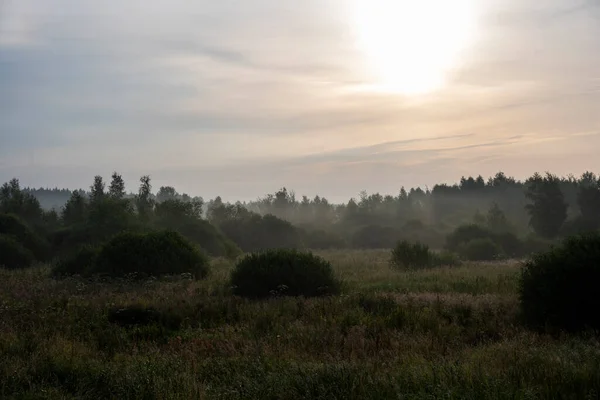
x=443, y=333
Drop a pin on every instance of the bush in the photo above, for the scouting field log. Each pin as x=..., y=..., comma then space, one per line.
x=11, y=225
x=507, y=243
x=155, y=254
x=283, y=272
x=13, y=255
x=80, y=262
x=411, y=256
x=480, y=250
x=559, y=288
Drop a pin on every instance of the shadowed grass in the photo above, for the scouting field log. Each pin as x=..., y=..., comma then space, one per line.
x=442, y=333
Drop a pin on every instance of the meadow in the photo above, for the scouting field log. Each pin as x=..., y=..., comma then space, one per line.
x=443, y=333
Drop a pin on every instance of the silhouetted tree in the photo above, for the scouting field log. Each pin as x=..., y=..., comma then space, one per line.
x=496, y=220
x=75, y=210
x=547, y=208
x=97, y=190
x=116, y=190
x=144, y=201
x=166, y=193
x=588, y=199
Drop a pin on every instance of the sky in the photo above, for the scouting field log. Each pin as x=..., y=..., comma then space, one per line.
x=329, y=97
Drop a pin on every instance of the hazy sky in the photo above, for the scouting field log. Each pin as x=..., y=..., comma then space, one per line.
x=239, y=98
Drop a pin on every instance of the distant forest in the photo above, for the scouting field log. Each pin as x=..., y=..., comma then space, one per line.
x=543, y=208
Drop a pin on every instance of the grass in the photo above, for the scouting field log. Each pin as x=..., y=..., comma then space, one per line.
x=443, y=333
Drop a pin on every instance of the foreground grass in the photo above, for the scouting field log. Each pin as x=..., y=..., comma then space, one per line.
x=445, y=333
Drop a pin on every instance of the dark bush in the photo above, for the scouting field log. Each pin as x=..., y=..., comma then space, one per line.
x=508, y=243
x=283, y=272
x=559, y=288
x=154, y=254
x=408, y=255
x=80, y=262
x=11, y=225
x=480, y=250
x=138, y=315
x=13, y=255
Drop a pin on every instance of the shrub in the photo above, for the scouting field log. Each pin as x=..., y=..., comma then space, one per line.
x=411, y=256
x=154, y=253
x=480, y=250
x=283, y=272
x=13, y=255
x=559, y=288
x=407, y=255
x=11, y=225
x=507, y=243
x=80, y=262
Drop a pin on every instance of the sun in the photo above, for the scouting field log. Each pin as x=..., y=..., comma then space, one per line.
x=411, y=45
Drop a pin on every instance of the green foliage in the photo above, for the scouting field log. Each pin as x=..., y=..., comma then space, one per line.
x=408, y=255
x=80, y=262
x=505, y=243
x=411, y=256
x=283, y=272
x=13, y=200
x=559, y=288
x=547, y=208
x=480, y=250
x=151, y=254
x=13, y=255
x=75, y=209
x=11, y=225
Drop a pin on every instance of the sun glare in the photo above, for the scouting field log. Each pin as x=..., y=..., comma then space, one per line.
x=411, y=45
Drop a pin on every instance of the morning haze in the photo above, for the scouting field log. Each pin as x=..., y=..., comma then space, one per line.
x=331, y=97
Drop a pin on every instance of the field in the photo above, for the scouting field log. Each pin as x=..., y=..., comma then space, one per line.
x=442, y=333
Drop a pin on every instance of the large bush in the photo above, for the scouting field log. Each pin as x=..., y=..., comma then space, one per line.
x=11, y=225
x=507, y=243
x=283, y=272
x=408, y=255
x=480, y=250
x=155, y=254
x=13, y=255
x=80, y=262
x=559, y=288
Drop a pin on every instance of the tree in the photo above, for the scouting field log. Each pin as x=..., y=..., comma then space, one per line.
x=166, y=193
x=144, y=201
x=588, y=199
x=116, y=189
x=496, y=220
x=97, y=190
x=16, y=201
x=547, y=208
x=75, y=209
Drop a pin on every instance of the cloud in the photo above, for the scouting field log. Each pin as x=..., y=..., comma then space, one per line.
x=230, y=96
